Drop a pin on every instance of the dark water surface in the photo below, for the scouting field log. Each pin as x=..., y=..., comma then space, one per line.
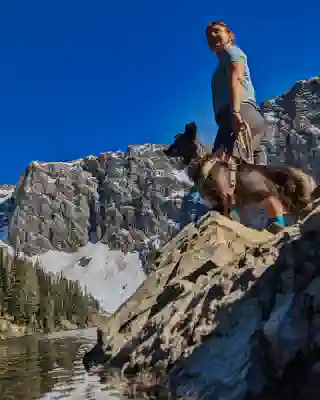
x=49, y=367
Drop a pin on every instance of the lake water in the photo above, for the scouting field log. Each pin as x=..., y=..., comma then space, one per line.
x=49, y=367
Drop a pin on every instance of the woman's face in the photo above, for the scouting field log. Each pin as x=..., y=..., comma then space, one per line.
x=218, y=37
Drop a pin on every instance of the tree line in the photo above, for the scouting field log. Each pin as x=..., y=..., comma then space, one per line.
x=41, y=301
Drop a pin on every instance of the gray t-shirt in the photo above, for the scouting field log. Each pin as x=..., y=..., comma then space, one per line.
x=220, y=84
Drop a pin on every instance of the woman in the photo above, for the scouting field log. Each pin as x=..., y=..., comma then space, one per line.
x=234, y=101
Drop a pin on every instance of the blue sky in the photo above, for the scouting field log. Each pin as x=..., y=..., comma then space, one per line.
x=83, y=77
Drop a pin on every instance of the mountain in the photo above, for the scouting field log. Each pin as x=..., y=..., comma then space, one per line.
x=101, y=219
x=294, y=119
x=230, y=312
x=132, y=203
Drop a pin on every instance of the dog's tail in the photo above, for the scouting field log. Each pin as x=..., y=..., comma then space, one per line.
x=295, y=187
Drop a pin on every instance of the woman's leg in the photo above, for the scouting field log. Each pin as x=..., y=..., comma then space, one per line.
x=258, y=128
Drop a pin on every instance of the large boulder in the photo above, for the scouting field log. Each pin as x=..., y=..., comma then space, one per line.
x=229, y=313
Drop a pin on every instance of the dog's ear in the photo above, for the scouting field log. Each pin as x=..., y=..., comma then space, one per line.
x=191, y=130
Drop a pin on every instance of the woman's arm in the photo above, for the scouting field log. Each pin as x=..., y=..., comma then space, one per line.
x=235, y=73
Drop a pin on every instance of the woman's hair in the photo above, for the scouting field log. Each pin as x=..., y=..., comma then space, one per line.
x=213, y=23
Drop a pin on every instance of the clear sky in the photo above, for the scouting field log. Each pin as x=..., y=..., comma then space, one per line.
x=83, y=77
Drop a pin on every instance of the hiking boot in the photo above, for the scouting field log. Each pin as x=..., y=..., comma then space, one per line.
x=275, y=228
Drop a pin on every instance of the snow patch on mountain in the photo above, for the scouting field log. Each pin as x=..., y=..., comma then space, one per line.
x=108, y=275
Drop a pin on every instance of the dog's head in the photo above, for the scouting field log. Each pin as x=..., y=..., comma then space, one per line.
x=186, y=145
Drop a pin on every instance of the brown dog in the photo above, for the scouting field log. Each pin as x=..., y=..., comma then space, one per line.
x=251, y=183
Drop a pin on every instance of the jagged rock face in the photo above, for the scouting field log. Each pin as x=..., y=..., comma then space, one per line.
x=229, y=313
x=294, y=119
x=131, y=201
x=51, y=208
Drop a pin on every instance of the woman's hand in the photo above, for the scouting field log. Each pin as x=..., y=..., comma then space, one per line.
x=236, y=122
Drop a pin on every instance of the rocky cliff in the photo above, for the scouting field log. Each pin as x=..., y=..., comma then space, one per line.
x=133, y=201
x=229, y=313
x=294, y=119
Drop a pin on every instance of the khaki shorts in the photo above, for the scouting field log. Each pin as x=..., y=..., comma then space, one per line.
x=225, y=138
